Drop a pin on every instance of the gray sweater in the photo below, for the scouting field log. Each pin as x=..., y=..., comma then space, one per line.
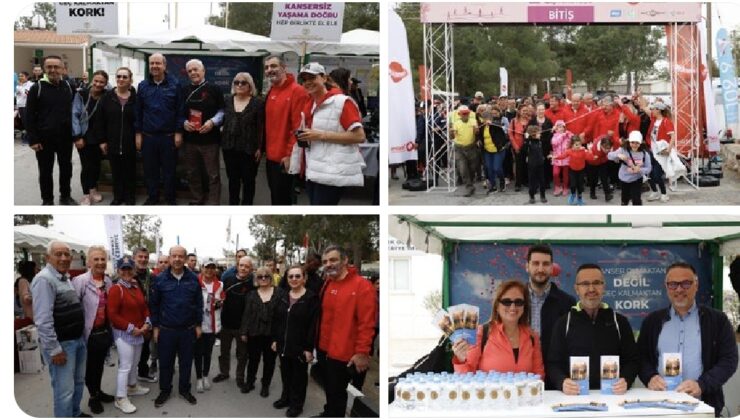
x=57, y=311
x=637, y=158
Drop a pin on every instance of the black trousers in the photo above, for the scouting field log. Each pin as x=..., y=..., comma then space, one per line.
x=123, y=169
x=336, y=378
x=632, y=191
x=90, y=157
x=202, y=352
x=62, y=149
x=143, y=368
x=95, y=363
x=598, y=173
x=536, y=180
x=520, y=163
x=576, y=181
x=294, y=375
x=323, y=195
x=241, y=170
x=259, y=347
x=281, y=184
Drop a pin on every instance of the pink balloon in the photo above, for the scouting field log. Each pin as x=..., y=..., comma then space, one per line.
x=555, y=269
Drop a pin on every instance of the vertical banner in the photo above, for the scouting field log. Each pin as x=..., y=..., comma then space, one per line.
x=504, y=75
x=684, y=70
x=568, y=83
x=114, y=232
x=401, y=110
x=727, y=78
x=710, y=116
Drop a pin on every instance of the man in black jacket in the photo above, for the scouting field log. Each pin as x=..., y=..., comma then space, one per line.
x=548, y=302
x=591, y=328
x=235, y=288
x=49, y=127
x=709, y=355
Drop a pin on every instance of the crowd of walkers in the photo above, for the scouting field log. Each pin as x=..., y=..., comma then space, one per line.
x=306, y=128
x=569, y=144
x=321, y=314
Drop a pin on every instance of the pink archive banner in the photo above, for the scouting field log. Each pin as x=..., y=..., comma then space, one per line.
x=560, y=13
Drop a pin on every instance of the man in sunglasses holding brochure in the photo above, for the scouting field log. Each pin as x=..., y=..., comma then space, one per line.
x=702, y=335
x=592, y=329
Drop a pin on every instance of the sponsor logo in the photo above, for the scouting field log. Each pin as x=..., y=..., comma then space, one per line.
x=397, y=72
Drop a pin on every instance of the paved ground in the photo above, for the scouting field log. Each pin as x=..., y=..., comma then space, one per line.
x=27, y=188
x=727, y=193
x=33, y=396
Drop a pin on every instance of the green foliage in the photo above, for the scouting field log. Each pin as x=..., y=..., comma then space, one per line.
x=256, y=18
x=47, y=10
x=358, y=234
x=141, y=230
x=32, y=219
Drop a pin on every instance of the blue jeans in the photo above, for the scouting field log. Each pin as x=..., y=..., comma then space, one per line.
x=494, y=166
x=159, y=153
x=323, y=195
x=68, y=380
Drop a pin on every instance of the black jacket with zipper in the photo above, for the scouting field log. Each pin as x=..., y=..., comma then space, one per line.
x=49, y=113
x=295, y=326
x=114, y=124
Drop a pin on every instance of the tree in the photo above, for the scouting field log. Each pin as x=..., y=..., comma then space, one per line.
x=141, y=230
x=256, y=18
x=32, y=219
x=46, y=10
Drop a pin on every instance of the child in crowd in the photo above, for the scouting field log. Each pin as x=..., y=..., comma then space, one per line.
x=634, y=164
x=577, y=156
x=560, y=143
x=598, y=168
x=532, y=149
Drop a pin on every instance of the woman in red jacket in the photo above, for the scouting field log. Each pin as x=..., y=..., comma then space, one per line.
x=661, y=130
x=511, y=346
x=129, y=317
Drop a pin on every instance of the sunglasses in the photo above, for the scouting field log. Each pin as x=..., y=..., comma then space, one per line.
x=295, y=276
x=122, y=76
x=508, y=302
x=263, y=276
x=685, y=285
x=241, y=83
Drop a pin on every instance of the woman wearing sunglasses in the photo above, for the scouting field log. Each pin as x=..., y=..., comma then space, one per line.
x=260, y=311
x=294, y=331
x=511, y=345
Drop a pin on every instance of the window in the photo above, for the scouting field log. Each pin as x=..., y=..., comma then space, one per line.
x=401, y=274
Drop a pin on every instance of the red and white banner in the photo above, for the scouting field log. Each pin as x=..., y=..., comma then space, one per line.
x=401, y=110
x=710, y=116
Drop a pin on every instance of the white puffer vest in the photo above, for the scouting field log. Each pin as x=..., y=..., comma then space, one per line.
x=339, y=165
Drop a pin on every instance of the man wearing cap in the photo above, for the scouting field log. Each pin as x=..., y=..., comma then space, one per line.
x=464, y=131
x=283, y=105
x=144, y=277
x=213, y=297
x=59, y=318
x=176, y=306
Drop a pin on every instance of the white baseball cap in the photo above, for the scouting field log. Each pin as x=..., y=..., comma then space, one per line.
x=635, y=137
x=313, y=68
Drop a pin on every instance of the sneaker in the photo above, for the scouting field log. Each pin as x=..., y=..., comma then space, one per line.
x=206, y=383
x=148, y=378
x=161, y=398
x=664, y=198
x=543, y=199
x=220, y=377
x=217, y=343
x=95, y=196
x=199, y=386
x=558, y=191
x=137, y=389
x=85, y=200
x=571, y=199
x=654, y=195
x=580, y=202
x=125, y=405
x=188, y=397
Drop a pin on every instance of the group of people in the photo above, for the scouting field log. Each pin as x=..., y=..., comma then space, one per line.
x=179, y=313
x=535, y=142
x=536, y=327
x=309, y=130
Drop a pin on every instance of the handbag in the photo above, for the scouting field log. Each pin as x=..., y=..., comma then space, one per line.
x=100, y=339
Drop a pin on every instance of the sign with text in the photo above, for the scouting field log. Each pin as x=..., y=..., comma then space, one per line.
x=634, y=274
x=87, y=18
x=314, y=22
x=726, y=63
x=560, y=13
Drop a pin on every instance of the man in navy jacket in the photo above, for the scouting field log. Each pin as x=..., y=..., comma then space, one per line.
x=709, y=354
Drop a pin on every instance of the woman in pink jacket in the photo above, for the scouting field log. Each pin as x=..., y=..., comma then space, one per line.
x=511, y=345
x=560, y=144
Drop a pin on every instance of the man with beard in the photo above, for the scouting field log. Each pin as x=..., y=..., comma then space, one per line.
x=548, y=302
x=144, y=278
x=176, y=310
x=283, y=105
x=346, y=327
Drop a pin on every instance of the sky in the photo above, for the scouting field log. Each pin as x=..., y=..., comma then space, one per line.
x=205, y=234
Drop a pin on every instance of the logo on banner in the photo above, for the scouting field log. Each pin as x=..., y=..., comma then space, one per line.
x=397, y=71
x=409, y=146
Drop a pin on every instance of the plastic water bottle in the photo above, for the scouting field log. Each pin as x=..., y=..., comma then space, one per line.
x=520, y=381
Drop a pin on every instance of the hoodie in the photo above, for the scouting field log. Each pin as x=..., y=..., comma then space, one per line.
x=283, y=106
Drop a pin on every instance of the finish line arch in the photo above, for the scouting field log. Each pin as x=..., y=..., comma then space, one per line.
x=684, y=57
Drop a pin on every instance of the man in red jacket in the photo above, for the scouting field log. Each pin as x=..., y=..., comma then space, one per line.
x=283, y=105
x=556, y=111
x=346, y=327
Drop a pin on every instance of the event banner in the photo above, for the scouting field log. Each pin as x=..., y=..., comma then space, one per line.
x=315, y=22
x=707, y=95
x=219, y=70
x=87, y=18
x=634, y=274
x=400, y=95
x=114, y=232
x=560, y=13
x=726, y=64
x=504, y=76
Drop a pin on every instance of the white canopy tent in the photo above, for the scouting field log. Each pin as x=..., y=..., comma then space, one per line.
x=428, y=232
x=35, y=238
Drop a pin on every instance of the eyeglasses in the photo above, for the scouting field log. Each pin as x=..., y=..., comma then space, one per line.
x=587, y=284
x=295, y=276
x=263, y=276
x=240, y=83
x=685, y=285
x=122, y=76
x=508, y=302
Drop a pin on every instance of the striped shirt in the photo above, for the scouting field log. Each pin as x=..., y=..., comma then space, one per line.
x=535, y=316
